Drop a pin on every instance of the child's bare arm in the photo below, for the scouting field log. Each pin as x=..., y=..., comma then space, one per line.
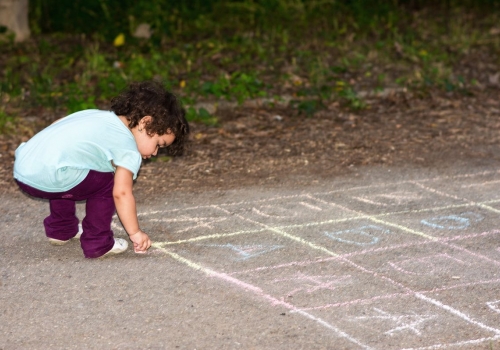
x=126, y=209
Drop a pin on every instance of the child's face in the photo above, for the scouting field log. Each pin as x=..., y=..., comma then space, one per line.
x=148, y=145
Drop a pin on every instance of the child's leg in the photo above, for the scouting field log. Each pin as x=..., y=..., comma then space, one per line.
x=97, y=238
x=62, y=223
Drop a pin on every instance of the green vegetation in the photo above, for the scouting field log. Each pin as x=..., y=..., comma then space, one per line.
x=313, y=53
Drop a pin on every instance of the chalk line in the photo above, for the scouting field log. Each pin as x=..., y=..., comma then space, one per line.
x=479, y=204
x=365, y=251
x=260, y=293
x=396, y=295
x=213, y=236
x=483, y=173
x=379, y=221
x=462, y=343
x=480, y=184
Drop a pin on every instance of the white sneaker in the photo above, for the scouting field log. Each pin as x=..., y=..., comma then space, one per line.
x=120, y=246
x=54, y=241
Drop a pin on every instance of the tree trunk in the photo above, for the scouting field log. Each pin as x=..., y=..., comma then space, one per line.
x=14, y=16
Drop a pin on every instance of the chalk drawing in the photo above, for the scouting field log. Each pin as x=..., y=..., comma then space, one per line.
x=494, y=305
x=261, y=212
x=311, y=284
x=456, y=344
x=285, y=211
x=364, y=234
x=246, y=251
x=198, y=222
x=482, y=205
x=385, y=199
x=453, y=222
x=420, y=296
x=399, y=295
x=267, y=213
x=411, y=322
x=481, y=184
x=428, y=264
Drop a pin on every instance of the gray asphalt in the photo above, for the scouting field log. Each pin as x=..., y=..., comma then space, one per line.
x=384, y=258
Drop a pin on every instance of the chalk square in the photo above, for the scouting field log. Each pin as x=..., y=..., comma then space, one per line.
x=482, y=187
x=445, y=222
x=354, y=236
x=246, y=251
x=296, y=210
x=319, y=284
x=406, y=322
x=383, y=199
x=174, y=225
x=424, y=267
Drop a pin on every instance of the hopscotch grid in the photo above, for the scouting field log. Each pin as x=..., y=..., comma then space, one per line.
x=376, y=275
x=419, y=295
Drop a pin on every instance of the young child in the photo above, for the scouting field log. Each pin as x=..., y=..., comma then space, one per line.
x=95, y=155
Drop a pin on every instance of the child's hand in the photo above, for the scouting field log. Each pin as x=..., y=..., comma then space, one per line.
x=141, y=242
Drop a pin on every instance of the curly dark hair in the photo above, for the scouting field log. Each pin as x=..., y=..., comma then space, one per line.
x=150, y=98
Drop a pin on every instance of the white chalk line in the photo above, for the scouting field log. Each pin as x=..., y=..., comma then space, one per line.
x=486, y=183
x=462, y=343
x=260, y=293
x=326, y=193
x=213, y=236
x=473, y=203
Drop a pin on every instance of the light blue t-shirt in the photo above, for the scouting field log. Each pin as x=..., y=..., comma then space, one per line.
x=59, y=157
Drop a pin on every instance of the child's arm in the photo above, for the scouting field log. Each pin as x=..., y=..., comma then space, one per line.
x=125, y=207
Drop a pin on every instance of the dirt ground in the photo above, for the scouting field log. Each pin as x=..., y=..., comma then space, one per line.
x=269, y=146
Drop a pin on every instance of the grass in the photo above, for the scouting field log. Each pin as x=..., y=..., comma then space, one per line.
x=6, y=123
x=335, y=61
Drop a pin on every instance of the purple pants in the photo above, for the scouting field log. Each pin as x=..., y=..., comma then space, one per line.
x=97, y=190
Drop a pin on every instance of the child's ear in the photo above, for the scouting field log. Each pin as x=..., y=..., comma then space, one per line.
x=146, y=120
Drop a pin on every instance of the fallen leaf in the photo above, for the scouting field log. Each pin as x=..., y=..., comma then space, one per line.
x=119, y=40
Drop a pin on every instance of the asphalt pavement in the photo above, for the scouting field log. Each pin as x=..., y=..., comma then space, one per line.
x=385, y=258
